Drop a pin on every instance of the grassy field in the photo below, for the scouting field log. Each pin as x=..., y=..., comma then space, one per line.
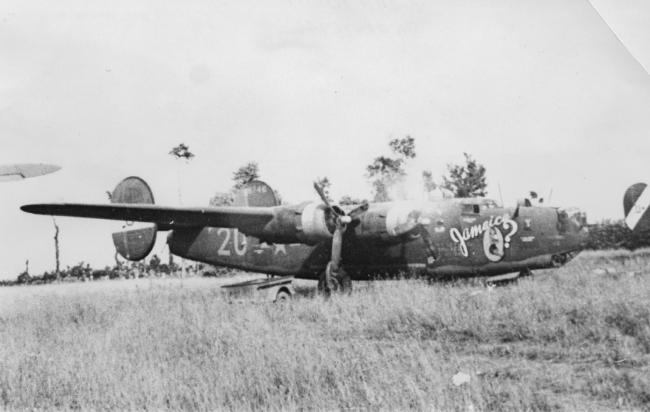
x=577, y=338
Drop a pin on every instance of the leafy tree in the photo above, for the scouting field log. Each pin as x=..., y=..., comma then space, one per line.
x=245, y=174
x=221, y=199
x=427, y=181
x=404, y=147
x=384, y=172
x=182, y=151
x=466, y=180
x=349, y=200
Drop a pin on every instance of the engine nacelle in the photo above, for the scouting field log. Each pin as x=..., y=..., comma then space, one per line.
x=303, y=223
x=389, y=222
x=314, y=224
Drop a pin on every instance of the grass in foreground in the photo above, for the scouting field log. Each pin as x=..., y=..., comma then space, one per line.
x=571, y=339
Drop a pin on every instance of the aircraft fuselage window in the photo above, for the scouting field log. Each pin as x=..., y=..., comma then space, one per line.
x=488, y=204
x=471, y=209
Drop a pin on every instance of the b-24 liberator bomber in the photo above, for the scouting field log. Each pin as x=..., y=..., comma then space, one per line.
x=336, y=244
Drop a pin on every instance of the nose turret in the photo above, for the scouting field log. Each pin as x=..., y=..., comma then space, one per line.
x=572, y=223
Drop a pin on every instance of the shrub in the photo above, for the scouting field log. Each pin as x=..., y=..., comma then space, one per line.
x=609, y=234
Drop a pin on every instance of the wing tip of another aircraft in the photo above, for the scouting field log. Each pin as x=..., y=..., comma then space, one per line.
x=36, y=208
x=22, y=171
x=46, y=168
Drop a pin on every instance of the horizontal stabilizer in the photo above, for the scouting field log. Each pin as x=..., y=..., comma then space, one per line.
x=246, y=219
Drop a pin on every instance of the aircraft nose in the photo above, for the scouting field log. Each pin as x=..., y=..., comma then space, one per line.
x=572, y=221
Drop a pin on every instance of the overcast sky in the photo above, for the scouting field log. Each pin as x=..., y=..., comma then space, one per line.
x=541, y=92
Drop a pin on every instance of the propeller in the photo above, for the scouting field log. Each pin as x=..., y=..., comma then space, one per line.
x=340, y=221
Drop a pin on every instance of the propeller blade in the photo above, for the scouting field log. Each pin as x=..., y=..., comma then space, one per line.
x=358, y=211
x=337, y=246
x=323, y=197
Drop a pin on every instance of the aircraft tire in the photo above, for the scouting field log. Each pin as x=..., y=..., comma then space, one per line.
x=328, y=282
x=327, y=290
x=345, y=281
x=282, y=296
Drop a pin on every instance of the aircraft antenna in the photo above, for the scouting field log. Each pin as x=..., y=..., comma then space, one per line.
x=550, y=193
x=500, y=194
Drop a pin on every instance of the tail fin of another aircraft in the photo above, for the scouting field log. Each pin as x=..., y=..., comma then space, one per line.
x=255, y=193
x=134, y=244
x=636, y=203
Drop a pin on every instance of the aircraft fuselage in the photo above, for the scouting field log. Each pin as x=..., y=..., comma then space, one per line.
x=466, y=238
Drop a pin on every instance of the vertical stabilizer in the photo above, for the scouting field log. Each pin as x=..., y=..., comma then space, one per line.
x=136, y=243
x=636, y=203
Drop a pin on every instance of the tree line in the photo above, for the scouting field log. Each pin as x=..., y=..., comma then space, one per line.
x=82, y=272
x=384, y=174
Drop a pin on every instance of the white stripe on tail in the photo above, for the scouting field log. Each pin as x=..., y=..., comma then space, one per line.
x=639, y=208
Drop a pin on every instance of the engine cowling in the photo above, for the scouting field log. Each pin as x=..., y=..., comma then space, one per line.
x=314, y=224
x=307, y=223
x=390, y=222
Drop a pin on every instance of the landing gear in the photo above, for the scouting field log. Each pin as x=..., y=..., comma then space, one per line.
x=559, y=260
x=331, y=280
x=282, y=296
x=525, y=273
x=346, y=281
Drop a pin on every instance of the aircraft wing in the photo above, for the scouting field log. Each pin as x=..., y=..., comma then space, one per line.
x=247, y=219
x=25, y=170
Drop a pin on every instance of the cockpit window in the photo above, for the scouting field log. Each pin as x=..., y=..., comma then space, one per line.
x=488, y=204
x=471, y=208
x=477, y=205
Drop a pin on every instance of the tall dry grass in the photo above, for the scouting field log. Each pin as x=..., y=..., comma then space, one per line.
x=576, y=339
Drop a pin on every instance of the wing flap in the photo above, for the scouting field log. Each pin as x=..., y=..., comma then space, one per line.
x=246, y=219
